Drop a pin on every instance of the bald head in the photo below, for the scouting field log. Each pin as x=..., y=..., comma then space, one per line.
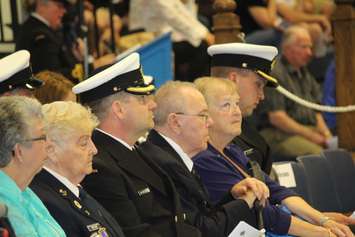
x=182, y=115
x=173, y=97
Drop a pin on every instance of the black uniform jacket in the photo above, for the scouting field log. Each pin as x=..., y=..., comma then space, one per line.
x=254, y=146
x=82, y=216
x=212, y=220
x=136, y=191
x=47, y=48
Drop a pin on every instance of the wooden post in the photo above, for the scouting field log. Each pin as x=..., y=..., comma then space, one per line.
x=343, y=21
x=226, y=27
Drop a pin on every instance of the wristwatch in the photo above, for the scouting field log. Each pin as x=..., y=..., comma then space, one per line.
x=323, y=220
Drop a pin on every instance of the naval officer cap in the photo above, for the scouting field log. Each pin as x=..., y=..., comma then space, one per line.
x=254, y=57
x=125, y=75
x=16, y=72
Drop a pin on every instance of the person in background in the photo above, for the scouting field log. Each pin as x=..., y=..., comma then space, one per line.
x=70, y=150
x=190, y=37
x=292, y=129
x=42, y=35
x=329, y=97
x=56, y=88
x=23, y=148
x=258, y=19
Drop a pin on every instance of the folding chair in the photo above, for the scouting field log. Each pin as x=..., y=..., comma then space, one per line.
x=301, y=181
x=301, y=187
x=321, y=183
x=342, y=167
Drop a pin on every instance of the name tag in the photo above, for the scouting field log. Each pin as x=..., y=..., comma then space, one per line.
x=93, y=227
x=100, y=233
x=285, y=174
x=249, y=151
x=143, y=191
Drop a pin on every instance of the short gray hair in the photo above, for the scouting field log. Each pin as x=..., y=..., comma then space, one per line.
x=17, y=115
x=223, y=72
x=169, y=100
x=290, y=35
x=64, y=118
x=101, y=107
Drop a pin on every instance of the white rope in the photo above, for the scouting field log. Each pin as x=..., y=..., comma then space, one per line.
x=311, y=105
x=299, y=100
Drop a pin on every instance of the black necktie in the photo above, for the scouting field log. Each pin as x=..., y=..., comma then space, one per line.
x=199, y=181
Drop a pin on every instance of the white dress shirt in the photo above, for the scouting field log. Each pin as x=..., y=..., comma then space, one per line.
x=40, y=18
x=117, y=139
x=72, y=187
x=184, y=157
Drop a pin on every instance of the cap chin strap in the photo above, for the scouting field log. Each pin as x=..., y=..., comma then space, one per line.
x=308, y=104
x=141, y=89
x=270, y=79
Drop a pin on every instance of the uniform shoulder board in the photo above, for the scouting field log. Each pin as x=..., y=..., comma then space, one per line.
x=143, y=191
x=248, y=151
x=40, y=37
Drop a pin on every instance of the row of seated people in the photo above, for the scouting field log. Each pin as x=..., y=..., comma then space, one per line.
x=291, y=130
x=148, y=190
x=61, y=45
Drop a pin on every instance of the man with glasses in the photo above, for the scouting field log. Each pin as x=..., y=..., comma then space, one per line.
x=181, y=130
x=138, y=194
x=291, y=129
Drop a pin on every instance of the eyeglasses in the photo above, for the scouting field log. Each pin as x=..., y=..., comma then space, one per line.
x=203, y=116
x=43, y=137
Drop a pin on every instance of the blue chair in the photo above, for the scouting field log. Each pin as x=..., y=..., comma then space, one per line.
x=301, y=181
x=323, y=195
x=300, y=178
x=342, y=167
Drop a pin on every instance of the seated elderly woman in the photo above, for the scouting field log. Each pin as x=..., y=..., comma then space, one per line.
x=22, y=154
x=70, y=151
x=224, y=164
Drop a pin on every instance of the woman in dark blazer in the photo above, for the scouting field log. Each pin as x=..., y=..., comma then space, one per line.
x=69, y=126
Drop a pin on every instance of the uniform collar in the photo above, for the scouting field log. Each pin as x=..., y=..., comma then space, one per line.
x=117, y=139
x=184, y=157
x=73, y=188
x=40, y=18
